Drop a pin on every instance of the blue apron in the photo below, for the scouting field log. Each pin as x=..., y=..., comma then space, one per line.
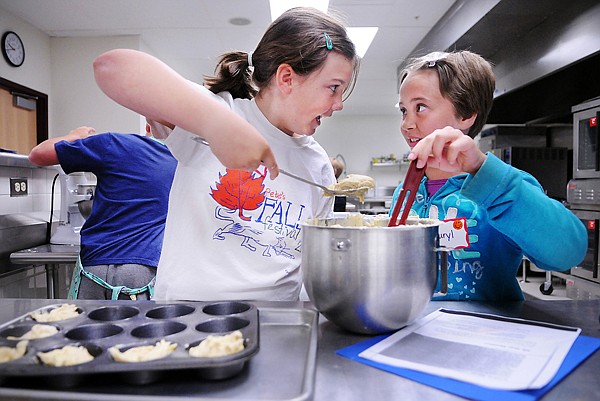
x=116, y=290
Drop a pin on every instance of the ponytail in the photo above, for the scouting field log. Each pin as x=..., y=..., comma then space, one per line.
x=301, y=37
x=234, y=75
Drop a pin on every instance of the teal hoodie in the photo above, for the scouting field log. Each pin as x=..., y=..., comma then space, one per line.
x=508, y=217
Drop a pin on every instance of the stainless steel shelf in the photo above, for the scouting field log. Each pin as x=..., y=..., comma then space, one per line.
x=397, y=164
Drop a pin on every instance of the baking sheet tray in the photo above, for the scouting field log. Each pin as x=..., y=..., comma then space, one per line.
x=284, y=369
x=99, y=327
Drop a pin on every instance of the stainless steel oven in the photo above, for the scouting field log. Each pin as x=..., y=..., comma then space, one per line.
x=586, y=139
x=583, y=191
x=580, y=195
x=550, y=166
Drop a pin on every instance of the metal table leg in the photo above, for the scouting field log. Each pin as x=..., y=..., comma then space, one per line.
x=524, y=264
x=55, y=281
x=52, y=284
x=49, y=281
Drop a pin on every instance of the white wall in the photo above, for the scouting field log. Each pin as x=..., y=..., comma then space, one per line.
x=76, y=99
x=360, y=138
x=36, y=70
x=62, y=68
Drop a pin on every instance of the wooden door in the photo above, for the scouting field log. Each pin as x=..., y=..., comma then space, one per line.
x=22, y=129
x=18, y=129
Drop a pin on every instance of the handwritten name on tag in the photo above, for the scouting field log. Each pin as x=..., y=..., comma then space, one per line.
x=453, y=234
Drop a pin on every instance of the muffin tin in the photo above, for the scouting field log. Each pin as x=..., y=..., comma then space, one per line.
x=99, y=327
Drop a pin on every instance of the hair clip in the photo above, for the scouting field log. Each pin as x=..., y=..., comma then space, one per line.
x=328, y=41
x=431, y=64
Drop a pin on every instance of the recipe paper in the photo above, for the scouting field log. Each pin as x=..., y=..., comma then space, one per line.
x=482, y=349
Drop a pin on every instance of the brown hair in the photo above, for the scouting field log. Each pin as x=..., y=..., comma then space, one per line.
x=466, y=80
x=338, y=167
x=299, y=37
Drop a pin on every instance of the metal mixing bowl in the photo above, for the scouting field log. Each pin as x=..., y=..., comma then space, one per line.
x=370, y=280
x=85, y=207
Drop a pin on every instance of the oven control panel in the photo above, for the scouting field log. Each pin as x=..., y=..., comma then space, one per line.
x=584, y=193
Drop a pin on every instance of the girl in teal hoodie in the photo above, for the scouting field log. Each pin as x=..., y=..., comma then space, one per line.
x=445, y=99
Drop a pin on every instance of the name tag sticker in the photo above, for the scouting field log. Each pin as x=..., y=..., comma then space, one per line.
x=453, y=234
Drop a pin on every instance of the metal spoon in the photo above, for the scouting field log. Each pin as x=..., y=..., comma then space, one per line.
x=356, y=192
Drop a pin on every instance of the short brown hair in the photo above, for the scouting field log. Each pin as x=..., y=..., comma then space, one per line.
x=466, y=80
x=338, y=167
x=300, y=38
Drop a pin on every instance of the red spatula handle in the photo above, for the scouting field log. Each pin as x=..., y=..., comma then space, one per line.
x=411, y=183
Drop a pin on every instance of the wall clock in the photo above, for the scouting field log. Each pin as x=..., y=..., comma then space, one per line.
x=13, y=49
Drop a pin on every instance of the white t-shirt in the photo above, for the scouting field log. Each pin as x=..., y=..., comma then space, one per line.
x=235, y=235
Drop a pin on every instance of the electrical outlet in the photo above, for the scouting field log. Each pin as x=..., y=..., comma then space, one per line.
x=18, y=187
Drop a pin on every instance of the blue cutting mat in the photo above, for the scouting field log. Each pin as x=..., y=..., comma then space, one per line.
x=583, y=348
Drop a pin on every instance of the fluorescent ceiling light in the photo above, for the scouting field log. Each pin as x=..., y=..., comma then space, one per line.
x=278, y=7
x=362, y=38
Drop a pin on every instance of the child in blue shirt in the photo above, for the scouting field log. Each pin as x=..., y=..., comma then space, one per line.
x=122, y=238
x=445, y=99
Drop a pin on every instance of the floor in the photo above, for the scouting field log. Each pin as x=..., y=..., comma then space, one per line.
x=533, y=281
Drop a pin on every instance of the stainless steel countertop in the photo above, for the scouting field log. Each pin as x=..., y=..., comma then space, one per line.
x=46, y=254
x=338, y=378
x=15, y=160
x=51, y=256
